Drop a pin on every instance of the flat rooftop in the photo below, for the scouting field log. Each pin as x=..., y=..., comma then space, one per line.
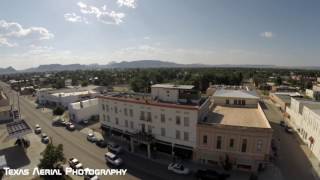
x=229, y=93
x=237, y=116
x=62, y=94
x=85, y=104
x=173, y=86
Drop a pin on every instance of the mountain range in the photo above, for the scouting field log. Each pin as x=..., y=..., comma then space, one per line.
x=131, y=64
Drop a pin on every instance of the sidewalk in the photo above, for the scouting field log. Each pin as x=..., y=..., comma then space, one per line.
x=272, y=172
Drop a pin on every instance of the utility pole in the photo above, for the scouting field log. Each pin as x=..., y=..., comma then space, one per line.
x=19, y=105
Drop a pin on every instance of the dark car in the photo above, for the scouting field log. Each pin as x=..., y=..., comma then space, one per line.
x=211, y=175
x=102, y=143
x=282, y=124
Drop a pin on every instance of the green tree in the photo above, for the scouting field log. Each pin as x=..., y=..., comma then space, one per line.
x=58, y=111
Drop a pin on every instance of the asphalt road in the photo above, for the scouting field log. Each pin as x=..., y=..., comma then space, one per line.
x=76, y=145
x=291, y=160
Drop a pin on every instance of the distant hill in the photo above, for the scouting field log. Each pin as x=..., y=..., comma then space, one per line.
x=136, y=64
x=8, y=70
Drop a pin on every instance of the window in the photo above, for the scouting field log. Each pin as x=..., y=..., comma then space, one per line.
x=163, y=118
x=125, y=111
x=243, y=102
x=205, y=139
x=116, y=109
x=227, y=101
x=107, y=108
x=108, y=118
x=103, y=107
x=163, y=132
x=142, y=115
x=126, y=123
x=219, y=142
x=178, y=120
x=186, y=121
x=149, y=129
x=244, y=145
x=235, y=102
x=231, y=143
x=131, y=112
x=177, y=134
x=131, y=124
x=104, y=117
x=186, y=136
x=259, y=145
x=117, y=121
x=149, y=118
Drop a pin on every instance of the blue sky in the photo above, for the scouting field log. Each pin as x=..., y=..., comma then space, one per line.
x=34, y=32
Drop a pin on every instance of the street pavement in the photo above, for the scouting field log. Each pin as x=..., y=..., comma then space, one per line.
x=293, y=163
x=76, y=145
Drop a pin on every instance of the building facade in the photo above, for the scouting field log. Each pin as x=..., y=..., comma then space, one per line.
x=236, y=132
x=5, y=108
x=83, y=110
x=170, y=115
x=304, y=116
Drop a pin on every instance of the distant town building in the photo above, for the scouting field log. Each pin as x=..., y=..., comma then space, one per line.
x=314, y=93
x=169, y=115
x=83, y=110
x=236, y=132
x=64, y=97
x=29, y=90
x=284, y=88
x=304, y=116
x=283, y=99
x=68, y=82
x=5, y=108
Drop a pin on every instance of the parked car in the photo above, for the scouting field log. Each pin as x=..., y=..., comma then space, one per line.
x=45, y=138
x=37, y=129
x=282, y=124
x=178, y=168
x=75, y=163
x=70, y=126
x=115, y=148
x=91, y=137
x=113, y=159
x=59, y=122
x=85, y=122
x=101, y=143
x=90, y=176
x=211, y=175
x=289, y=129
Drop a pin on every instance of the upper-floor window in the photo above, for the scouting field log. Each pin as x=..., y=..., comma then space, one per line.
x=103, y=107
x=131, y=124
x=107, y=108
x=104, y=117
x=126, y=123
x=163, y=118
x=178, y=120
x=117, y=121
x=177, y=134
x=231, y=143
x=186, y=136
x=125, y=111
x=227, y=101
x=244, y=145
x=108, y=118
x=219, y=142
x=116, y=109
x=235, y=102
x=142, y=115
x=131, y=112
x=259, y=145
x=149, y=117
x=205, y=139
x=186, y=121
x=163, y=132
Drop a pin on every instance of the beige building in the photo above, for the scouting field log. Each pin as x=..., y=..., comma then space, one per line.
x=5, y=108
x=236, y=131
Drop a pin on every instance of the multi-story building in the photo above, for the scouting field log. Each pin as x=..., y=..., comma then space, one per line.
x=169, y=115
x=83, y=110
x=236, y=132
x=314, y=93
x=304, y=116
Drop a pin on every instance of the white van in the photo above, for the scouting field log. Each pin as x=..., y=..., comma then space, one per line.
x=113, y=159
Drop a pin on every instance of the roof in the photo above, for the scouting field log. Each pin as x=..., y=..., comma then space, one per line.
x=237, y=116
x=65, y=94
x=235, y=94
x=85, y=104
x=18, y=128
x=284, y=98
x=173, y=86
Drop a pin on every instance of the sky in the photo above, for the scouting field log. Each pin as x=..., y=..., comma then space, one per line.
x=266, y=32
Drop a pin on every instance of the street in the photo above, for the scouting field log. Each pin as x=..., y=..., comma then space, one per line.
x=76, y=145
x=291, y=160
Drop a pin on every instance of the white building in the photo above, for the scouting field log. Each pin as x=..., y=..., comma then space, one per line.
x=64, y=98
x=170, y=115
x=304, y=116
x=314, y=93
x=83, y=110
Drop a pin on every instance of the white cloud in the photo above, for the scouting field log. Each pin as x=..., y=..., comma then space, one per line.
x=102, y=15
x=73, y=17
x=146, y=38
x=267, y=34
x=13, y=31
x=127, y=3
